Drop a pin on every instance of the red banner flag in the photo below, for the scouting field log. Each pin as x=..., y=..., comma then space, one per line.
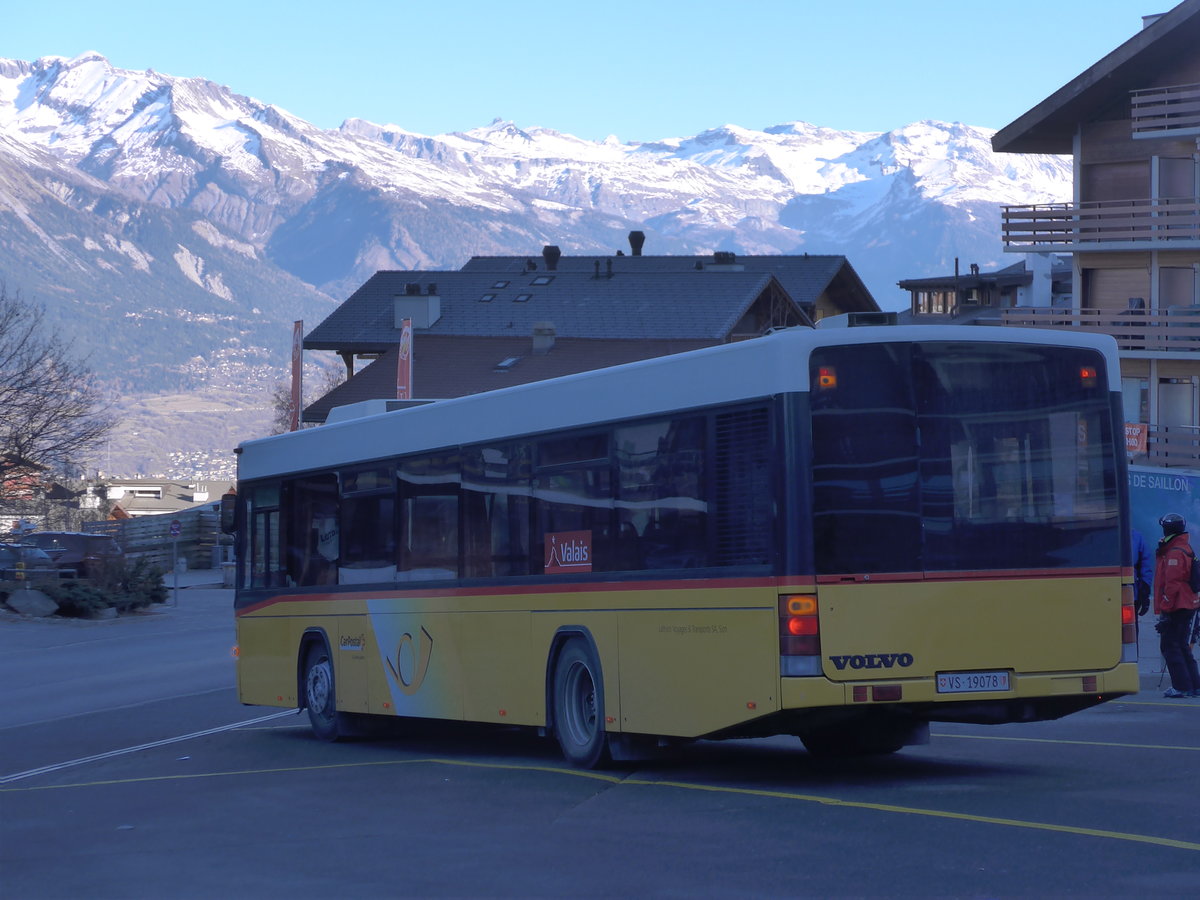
x=297, y=370
x=404, y=362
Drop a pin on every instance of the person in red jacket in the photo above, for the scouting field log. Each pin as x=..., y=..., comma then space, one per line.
x=1175, y=604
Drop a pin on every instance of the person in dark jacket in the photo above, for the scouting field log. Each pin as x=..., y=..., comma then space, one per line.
x=1175, y=604
x=1143, y=573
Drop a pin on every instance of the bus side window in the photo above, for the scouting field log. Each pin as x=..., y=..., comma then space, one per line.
x=661, y=509
x=574, y=493
x=496, y=510
x=265, y=568
x=313, y=530
x=429, y=516
x=368, y=526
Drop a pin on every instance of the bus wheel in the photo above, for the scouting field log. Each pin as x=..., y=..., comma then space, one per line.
x=319, y=695
x=579, y=706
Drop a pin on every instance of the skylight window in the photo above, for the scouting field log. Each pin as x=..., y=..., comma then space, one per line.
x=487, y=298
x=522, y=298
x=507, y=363
x=542, y=279
x=499, y=285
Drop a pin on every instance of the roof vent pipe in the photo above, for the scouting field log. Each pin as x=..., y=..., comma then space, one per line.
x=636, y=240
x=551, y=254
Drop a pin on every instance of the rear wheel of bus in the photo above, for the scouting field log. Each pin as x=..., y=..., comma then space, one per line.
x=579, y=706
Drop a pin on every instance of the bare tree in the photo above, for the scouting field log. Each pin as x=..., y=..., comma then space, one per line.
x=51, y=410
x=327, y=378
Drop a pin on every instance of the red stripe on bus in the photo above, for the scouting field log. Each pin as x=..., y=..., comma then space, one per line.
x=792, y=585
x=970, y=575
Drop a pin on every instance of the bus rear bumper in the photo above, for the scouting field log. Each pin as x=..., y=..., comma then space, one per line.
x=1030, y=697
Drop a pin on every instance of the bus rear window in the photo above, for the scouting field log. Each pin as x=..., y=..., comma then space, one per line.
x=957, y=457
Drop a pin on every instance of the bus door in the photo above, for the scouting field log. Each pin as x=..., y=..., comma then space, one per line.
x=965, y=510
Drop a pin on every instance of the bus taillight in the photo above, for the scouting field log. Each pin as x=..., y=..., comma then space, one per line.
x=799, y=635
x=1129, y=647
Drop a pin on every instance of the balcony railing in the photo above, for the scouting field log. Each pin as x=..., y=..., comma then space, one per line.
x=1173, y=111
x=1165, y=445
x=1174, y=330
x=1165, y=222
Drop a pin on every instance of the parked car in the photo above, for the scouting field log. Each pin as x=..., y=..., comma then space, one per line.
x=79, y=551
x=35, y=561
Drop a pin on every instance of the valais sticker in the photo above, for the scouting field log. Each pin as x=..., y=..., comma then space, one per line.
x=568, y=551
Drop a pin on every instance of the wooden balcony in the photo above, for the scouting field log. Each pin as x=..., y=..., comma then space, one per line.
x=1166, y=223
x=1174, y=330
x=1166, y=112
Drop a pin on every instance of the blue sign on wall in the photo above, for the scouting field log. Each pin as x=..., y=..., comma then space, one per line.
x=1154, y=492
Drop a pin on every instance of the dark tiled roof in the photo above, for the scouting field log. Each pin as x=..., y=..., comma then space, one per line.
x=456, y=366
x=685, y=305
x=805, y=277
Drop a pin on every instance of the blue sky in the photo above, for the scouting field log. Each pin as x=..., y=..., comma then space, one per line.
x=639, y=70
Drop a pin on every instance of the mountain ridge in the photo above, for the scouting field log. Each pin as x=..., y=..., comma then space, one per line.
x=212, y=219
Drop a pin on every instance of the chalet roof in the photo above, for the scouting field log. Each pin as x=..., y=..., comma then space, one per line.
x=695, y=305
x=1016, y=273
x=456, y=366
x=1051, y=125
x=805, y=277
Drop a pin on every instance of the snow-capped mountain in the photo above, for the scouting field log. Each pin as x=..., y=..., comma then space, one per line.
x=176, y=203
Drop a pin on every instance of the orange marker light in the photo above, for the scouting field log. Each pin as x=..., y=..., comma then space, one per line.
x=799, y=605
x=1087, y=376
x=826, y=377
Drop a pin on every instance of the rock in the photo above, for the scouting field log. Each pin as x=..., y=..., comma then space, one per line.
x=29, y=602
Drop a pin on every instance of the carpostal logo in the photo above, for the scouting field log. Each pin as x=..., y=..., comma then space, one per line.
x=568, y=551
x=872, y=661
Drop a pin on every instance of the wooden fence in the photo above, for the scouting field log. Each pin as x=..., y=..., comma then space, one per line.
x=200, y=542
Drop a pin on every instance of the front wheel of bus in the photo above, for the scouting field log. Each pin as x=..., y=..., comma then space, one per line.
x=320, y=696
x=579, y=706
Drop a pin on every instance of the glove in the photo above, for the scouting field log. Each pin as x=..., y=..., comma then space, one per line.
x=1142, y=604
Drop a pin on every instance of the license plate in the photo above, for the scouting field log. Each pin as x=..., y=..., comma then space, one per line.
x=971, y=682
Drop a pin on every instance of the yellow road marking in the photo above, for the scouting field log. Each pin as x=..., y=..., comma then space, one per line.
x=645, y=782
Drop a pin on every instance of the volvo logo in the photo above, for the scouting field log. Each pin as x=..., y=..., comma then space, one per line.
x=873, y=661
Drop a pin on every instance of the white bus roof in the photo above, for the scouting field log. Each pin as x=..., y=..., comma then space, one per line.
x=760, y=367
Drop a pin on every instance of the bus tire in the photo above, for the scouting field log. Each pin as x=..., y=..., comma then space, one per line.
x=579, y=706
x=320, y=694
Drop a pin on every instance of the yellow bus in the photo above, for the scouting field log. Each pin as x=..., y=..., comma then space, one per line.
x=841, y=534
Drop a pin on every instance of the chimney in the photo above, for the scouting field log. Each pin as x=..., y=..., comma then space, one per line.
x=551, y=254
x=543, y=338
x=412, y=288
x=423, y=309
x=608, y=267
x=636, y=240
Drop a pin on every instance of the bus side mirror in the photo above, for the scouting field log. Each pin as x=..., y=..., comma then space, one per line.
x=229, y=512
